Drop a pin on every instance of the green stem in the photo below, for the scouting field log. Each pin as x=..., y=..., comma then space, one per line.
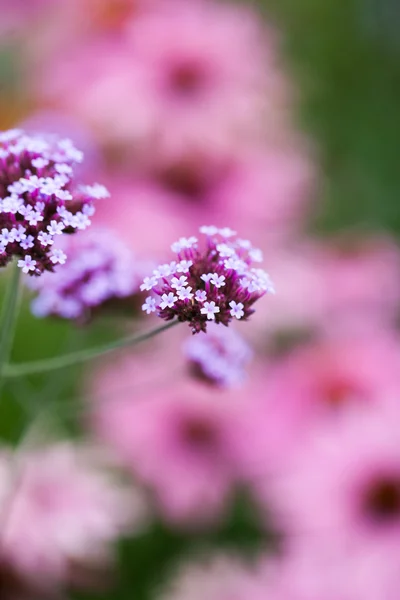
x=8, y=320
x=68, y=360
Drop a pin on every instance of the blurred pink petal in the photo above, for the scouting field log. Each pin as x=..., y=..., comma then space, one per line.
x=64, y=509
x=16, y=15
x=330, y=571
x=294, y=395
x=185, y=76
x=330, y=375
x=143, y=215
x=176, y=441
x=265, y=192
x=344, y=483
x=176, y=437
x=332, y=285
x=217, y=578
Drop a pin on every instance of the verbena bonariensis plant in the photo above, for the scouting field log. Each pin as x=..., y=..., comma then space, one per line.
x=41, y=200
x=42, y=207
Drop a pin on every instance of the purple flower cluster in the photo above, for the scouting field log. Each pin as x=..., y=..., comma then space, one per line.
x=215, y=283
x=220, y=357
x=100, y=269
x=39, y=199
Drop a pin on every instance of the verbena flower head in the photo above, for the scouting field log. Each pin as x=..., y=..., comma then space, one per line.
x=216, y=282
x=220, y=357
x=100, y=270
x=40, y=199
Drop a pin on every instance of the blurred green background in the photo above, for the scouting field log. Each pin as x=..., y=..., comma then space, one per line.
x=345, y=56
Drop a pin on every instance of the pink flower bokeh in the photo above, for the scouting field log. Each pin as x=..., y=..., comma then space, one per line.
x=343, y=484
x=163, y=84
x=344, y=284
x=217, y=577
x=187, y=112
x=63, y=510
x=177, y=439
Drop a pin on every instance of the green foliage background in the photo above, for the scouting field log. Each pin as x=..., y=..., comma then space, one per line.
x=345, y=55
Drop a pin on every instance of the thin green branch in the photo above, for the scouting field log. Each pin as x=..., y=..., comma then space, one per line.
x=8, y=319
x=68, y=360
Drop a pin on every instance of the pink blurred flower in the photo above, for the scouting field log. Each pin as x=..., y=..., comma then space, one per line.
x=212, y=71
x=88, y=15
x=106, y=15
x=268, y=192
x=315, y=571
x=330, y=285
x=344, y=484
x=18, y=14
x=363, y=271
x=265, y=195
x=157, y=376
x=265, y=192
x=294, y=395
x=176, y=437
x=62, y=510
x=56, y=28
x=185, y=76
x=112, y=95
x=217, y=578
x=181, y=97
x=150, y=219
x=334, y=373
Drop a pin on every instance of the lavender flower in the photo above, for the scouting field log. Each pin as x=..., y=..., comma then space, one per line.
x=100, y=269
x=220, y=357
x=39, y=199
x=217, y=283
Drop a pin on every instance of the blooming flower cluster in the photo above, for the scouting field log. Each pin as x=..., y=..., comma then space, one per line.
x=216, y=283
x=219, y=357
x=39, y=199
x=100, y=269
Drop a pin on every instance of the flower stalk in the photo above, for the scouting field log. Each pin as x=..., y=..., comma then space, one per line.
x=74, y=358
x=8, y=319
